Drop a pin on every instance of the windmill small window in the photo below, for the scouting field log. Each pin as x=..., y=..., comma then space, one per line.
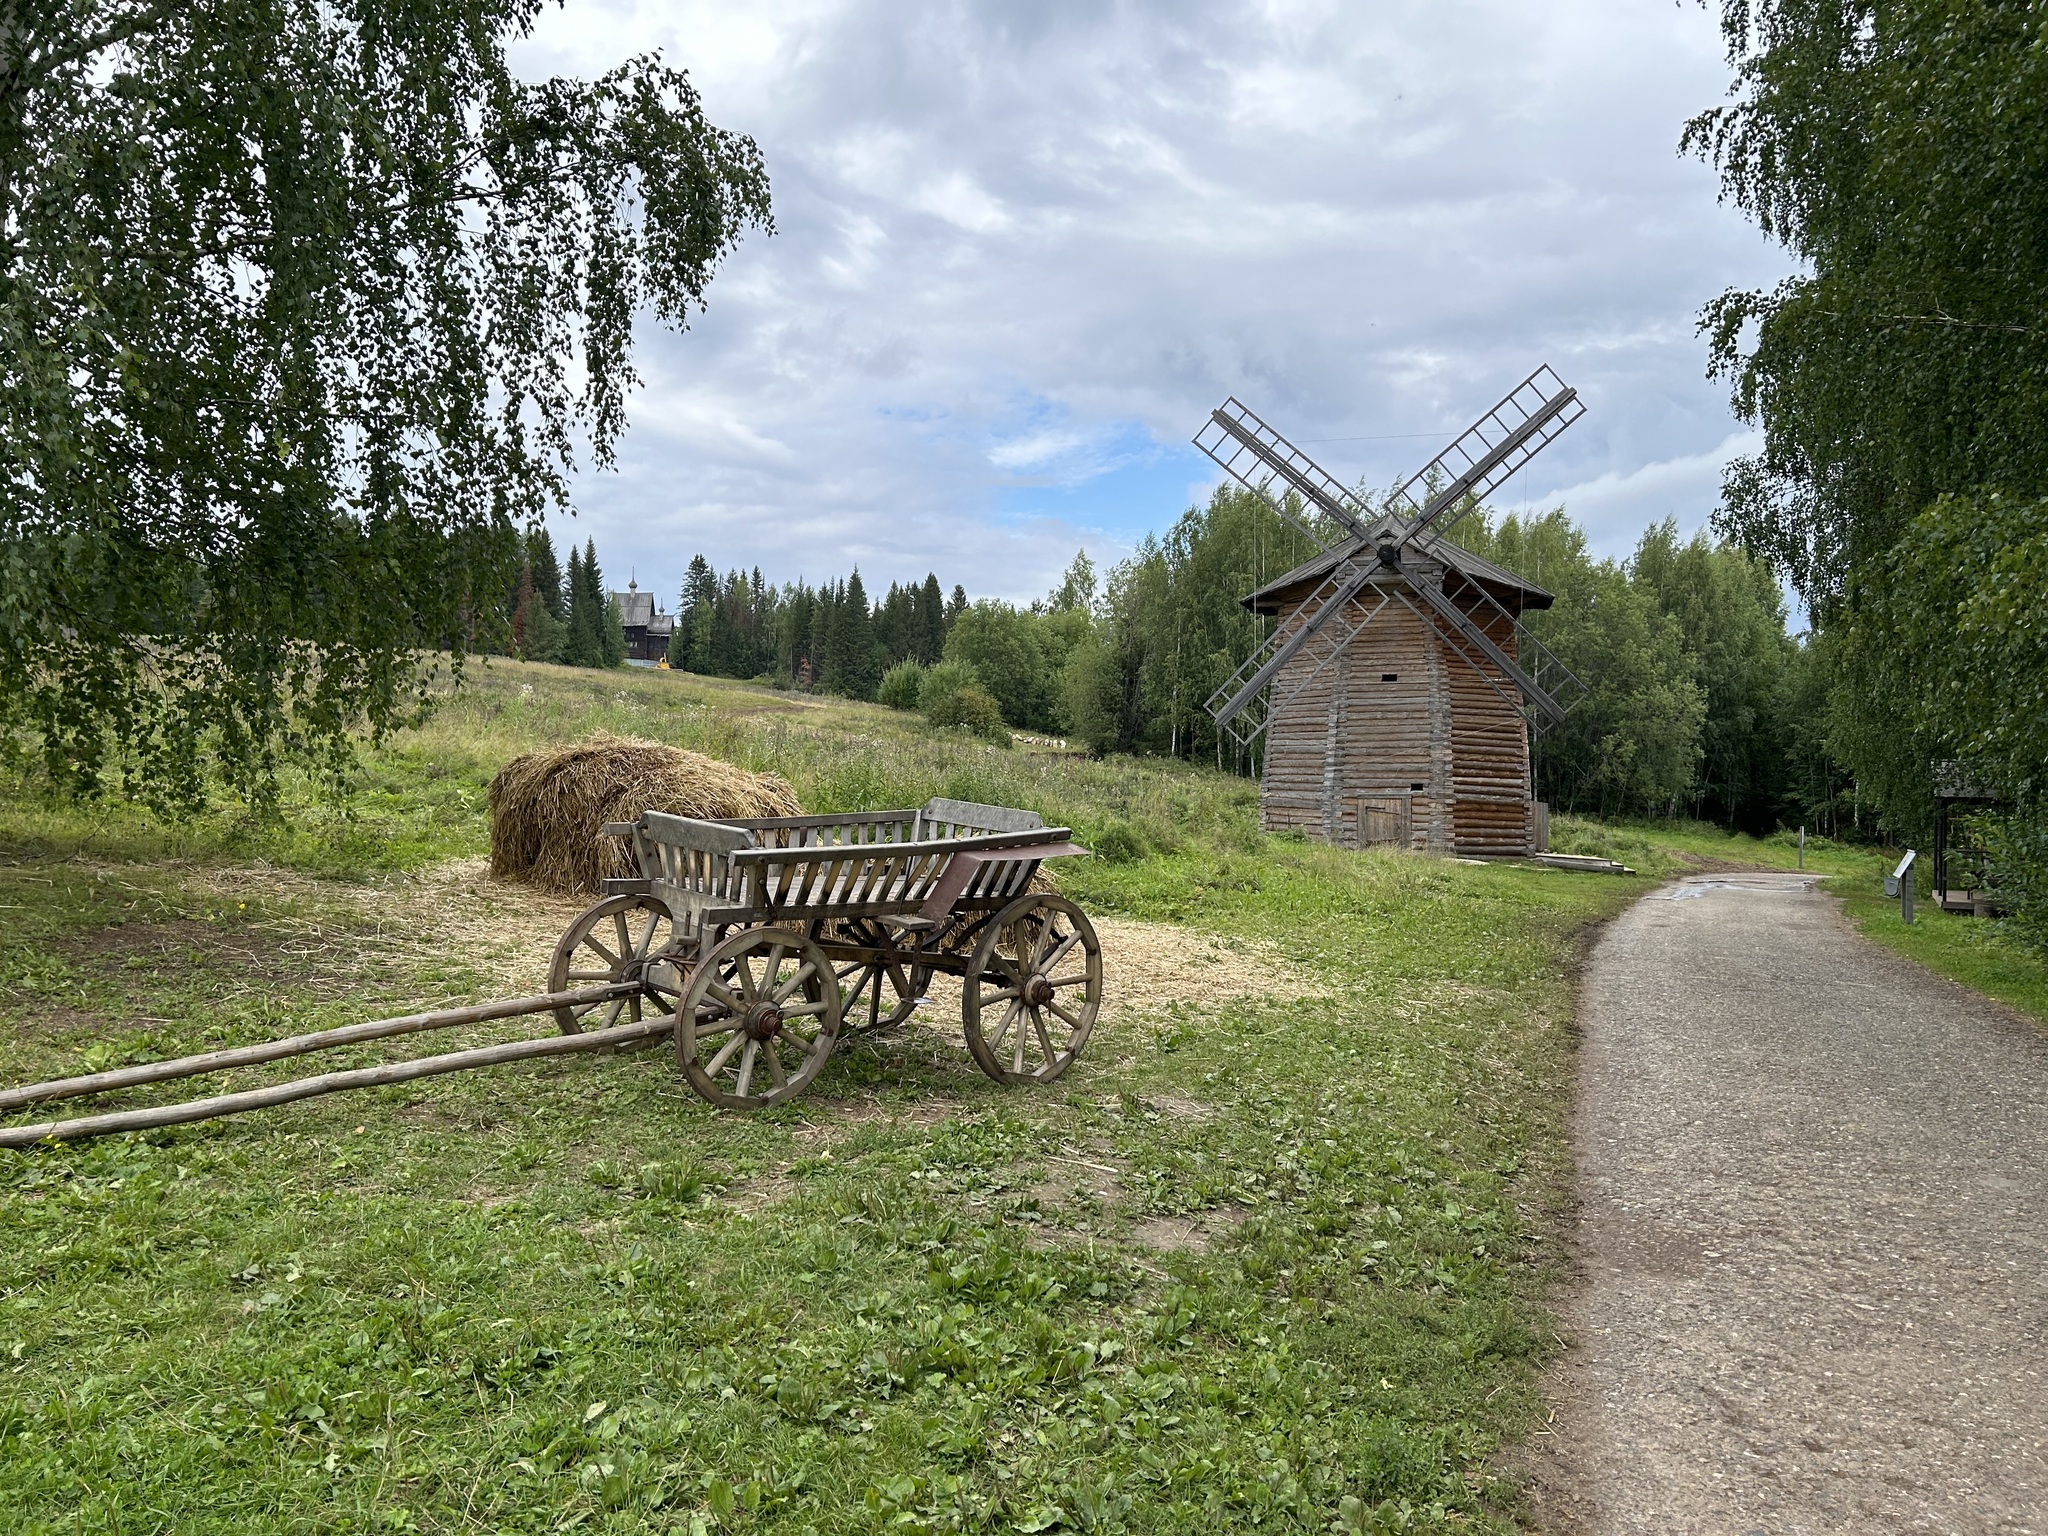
x=1443, y=764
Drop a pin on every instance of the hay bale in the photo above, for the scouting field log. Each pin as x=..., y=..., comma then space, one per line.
x=548, y=808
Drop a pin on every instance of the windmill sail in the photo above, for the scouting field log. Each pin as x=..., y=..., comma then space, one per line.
x=1485, y=454
x=1477, y=462
x=1258, y=457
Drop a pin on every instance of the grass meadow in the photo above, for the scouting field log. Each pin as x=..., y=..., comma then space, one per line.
x=1272, y=1257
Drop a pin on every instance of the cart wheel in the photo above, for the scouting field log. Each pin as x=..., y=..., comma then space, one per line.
x=1032, y=990
x=613, y=941
x=759, y=1018
x=884, y=994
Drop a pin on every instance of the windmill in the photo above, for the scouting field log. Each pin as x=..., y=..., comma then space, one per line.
x=1396, y=695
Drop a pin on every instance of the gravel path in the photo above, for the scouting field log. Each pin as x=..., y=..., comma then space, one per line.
x=1814, y=1234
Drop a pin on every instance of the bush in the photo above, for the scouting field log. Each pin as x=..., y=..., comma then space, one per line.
x=944, y=679
x=902, y=685
x=1118, y=843
x=971, y=709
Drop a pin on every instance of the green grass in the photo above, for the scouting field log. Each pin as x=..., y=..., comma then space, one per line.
x=570, y=1296
x=1977, y=952
x=1270, y=1258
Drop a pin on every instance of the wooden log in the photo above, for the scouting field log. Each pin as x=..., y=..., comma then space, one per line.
x=299, y=1045
x=331, y=1082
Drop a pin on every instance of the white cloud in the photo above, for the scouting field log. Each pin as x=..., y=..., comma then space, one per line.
x=1617, y=506
x=1023, y=250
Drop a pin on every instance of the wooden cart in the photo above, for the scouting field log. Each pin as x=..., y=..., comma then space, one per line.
x=751, y=944
x=766, y=938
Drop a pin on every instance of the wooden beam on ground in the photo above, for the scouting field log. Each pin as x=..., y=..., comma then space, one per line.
x=299, y=1045
x=332, y=1082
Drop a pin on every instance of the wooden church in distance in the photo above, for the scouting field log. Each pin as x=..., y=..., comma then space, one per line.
x=1404, y=736
x=1392, y=700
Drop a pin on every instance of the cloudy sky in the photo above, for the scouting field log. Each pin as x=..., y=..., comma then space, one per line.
x=1022, y=250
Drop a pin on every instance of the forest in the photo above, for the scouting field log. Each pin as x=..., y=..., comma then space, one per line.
x=1700, y=703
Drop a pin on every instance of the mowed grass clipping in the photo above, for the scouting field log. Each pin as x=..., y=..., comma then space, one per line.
x=1270, y=1258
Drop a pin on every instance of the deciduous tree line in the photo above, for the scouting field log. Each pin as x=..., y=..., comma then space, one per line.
x=1900, y=151
x=1700, y=703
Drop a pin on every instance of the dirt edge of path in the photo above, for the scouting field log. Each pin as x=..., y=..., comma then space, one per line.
x=1555, y=1500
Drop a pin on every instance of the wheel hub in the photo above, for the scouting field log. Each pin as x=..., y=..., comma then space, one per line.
x=1038, y=991
x=764, y=1021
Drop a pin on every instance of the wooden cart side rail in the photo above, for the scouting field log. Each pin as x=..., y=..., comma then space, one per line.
x=300, y=1045
x=845, y=827
x=943, y=818
x=877, y=879
x=334, y=1082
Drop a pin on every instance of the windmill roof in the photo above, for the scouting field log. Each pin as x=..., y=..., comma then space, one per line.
x=1508, y=588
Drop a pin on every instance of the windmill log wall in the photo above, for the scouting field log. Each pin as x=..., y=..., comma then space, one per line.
x=1399, y=739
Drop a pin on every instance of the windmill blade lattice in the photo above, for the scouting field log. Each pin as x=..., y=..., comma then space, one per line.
x=1481, y=458
x=1259, y=457
x=1256, y=672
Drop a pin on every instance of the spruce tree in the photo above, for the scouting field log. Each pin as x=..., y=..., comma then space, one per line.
x=694, y=623
x=931, y=614
x=853, y=662
x=573, y=625
x=547, y=572
x=607, y=631
x=823, y=609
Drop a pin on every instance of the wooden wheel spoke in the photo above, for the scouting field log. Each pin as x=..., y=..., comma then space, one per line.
x=804, y=974
x=725, y=1054
x=588, y=976
x=645, y=943
x=805, y=1010
x=1065, y=948
x=774, y=1055
x=746, y=1077
x=625, y=938
x=1044, y=1038
x=724, y=998
x=612, y=1012
x=1078, y=979
x=591, y=941
x=1017, y=1048
x=995, y=1041
x=1072, y=1022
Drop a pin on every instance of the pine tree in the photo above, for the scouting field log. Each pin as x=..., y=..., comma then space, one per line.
x=822, y=611
x=547, y=572
x=955, y=606
x=852, y=659
x=931, y=613
x=697, y=615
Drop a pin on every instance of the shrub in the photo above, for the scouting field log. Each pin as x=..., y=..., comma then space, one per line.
x=1118, y=843
x=942, y=680
x=902, y=685
x=971, y=709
